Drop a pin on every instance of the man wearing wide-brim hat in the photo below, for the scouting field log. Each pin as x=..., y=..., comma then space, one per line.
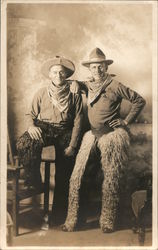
x=54, y=118
x=108, y=138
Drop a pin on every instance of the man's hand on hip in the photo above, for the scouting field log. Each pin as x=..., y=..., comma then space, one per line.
x=35, y=132
x=117, y=122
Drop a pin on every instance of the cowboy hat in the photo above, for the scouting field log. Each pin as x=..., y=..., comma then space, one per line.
x=58, y=60
x=96, y=56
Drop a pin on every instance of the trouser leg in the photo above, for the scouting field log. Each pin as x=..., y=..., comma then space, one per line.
x=75, y=181
x=63, y=170
x=29, y=152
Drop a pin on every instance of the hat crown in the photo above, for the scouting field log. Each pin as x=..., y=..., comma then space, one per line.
x=97, y=56
x=97, y=53
x=58, y=60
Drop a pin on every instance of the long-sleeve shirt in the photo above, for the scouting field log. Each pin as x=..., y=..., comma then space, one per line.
x=106, y=107
x=43, y=109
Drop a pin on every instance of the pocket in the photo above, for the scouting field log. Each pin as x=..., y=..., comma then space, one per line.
x=111, y=96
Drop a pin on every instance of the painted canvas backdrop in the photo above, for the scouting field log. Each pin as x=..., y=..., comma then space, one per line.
x=37, y=32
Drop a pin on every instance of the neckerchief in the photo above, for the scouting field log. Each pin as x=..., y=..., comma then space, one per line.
x=95, y=88
x=59, y=95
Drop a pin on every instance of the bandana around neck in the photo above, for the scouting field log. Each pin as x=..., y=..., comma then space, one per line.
x=95, y=88
x=59, y=95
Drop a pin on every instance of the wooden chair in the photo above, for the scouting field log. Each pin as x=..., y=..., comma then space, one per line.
x=15, y=194
x=142, y=207
x=9, y=230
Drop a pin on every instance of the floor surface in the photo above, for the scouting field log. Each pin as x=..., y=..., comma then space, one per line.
x=89, y=235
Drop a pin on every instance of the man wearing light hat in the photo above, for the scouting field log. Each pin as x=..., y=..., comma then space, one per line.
x=108, y=139
x=54, y=118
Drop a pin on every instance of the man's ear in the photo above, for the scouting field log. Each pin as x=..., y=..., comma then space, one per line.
x=67, y=73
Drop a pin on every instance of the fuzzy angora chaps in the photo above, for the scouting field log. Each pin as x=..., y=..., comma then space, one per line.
x=114, y=155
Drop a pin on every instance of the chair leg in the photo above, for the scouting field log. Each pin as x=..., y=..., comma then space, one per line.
x=45, y=224
x=15, y=206
x=10, y=236
x=15, y=213
x=9, y=230
x=141, y=236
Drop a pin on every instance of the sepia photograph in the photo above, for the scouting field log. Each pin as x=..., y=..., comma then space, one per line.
x=78, y=125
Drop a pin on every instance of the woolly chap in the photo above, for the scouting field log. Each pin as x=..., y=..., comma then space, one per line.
x=114, y=155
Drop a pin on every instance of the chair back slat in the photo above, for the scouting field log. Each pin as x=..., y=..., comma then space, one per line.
x=11, y=158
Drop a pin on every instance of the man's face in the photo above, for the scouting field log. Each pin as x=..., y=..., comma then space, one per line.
x=57, y=74
x=98, y=70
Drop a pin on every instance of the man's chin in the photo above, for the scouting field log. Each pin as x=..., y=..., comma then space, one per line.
x=58, y=83
x=98, y=77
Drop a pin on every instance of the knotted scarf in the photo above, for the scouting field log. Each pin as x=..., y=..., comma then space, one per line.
x=59, y=95
x=95, y=88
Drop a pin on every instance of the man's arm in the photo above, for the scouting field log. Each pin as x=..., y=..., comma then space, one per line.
x=33, y=110
x=78, y=121
x=31, y=115
x=78, y=86
x=136, y=100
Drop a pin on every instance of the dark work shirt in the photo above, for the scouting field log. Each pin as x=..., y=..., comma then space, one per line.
x=43, y=109
x=107, y=106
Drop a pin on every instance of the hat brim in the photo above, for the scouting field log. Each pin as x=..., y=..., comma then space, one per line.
x=67, y=64
x=87, y=63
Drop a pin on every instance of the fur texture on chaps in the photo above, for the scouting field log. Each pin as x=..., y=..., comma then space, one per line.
x=75, y=180
x=114, y=155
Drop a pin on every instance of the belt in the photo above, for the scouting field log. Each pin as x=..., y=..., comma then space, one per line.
x=52, y=129
x=48, y=125
x=98, y=132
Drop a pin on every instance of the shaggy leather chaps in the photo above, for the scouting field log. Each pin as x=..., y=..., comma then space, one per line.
x=114, y=155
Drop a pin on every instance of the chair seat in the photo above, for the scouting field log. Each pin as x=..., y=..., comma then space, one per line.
x=48, y=154
x=138, y=201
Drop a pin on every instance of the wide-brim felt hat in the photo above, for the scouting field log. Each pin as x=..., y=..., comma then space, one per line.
x=58, y=60
x=97, y=56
